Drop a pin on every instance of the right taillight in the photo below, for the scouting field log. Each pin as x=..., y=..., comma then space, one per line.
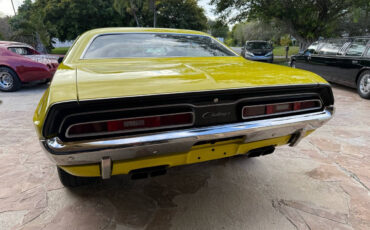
x=134, y=124
x=254, y=111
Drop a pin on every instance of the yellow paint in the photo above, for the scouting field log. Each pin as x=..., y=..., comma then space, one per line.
x=309, y=132
x=198, y=153
x=79, y=79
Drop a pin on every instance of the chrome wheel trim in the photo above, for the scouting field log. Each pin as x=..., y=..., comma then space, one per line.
x=6, y=80
x=293, y=64
x=365, y=84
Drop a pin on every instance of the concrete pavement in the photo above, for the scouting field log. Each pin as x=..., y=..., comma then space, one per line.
x=323, y=183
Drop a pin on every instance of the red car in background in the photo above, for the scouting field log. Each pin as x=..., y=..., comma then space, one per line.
x=21, y=63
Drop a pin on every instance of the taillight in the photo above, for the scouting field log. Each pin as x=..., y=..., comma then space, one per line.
x=130, y=125
x=254, y=111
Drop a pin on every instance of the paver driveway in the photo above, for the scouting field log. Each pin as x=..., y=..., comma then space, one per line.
x=321, y=184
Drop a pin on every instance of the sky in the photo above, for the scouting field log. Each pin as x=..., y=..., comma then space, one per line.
x=6, y=7
x=208, y=8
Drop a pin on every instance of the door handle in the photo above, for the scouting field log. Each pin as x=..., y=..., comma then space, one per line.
x=354, y=62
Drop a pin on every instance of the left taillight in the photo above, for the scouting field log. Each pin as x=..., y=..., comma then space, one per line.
x=256, y=111
x=128, y=125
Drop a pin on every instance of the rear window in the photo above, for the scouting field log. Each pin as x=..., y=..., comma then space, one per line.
x=145, y=45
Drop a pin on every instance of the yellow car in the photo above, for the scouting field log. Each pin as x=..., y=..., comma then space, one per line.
x=139, y=100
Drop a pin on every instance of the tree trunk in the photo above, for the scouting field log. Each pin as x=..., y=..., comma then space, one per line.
x=154, y=16
x=152, y=7
x=133, y=10
x=15, y=13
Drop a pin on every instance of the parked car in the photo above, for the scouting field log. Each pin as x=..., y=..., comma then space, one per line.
x=139, y=100
x=344, y=61
x=258, y=51
x=21, y=63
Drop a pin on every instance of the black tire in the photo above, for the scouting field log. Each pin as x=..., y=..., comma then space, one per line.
x=9, y=81
x=45, y=81
x=363, y=84
x=292, y=64
x=71, y=181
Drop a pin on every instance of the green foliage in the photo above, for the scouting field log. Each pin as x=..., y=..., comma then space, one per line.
x=181, y=14
x=28, y=26
x=218, y=28
x=229, y=41
x=306, y=20
x=357, y=21
x=60, y=50
x=280, y=50
x=129, y=6
x=255, y=30
x=285, y=40
x=67, y=19
x=5, y=29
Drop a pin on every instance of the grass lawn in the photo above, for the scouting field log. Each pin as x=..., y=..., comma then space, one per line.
x=281, y=61
x=60, y=50
x=280, y=50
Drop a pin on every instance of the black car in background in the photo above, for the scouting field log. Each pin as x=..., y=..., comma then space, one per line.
x=344, y=61
x=258, y=51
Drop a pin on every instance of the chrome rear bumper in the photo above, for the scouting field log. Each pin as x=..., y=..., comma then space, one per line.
x=179, y=141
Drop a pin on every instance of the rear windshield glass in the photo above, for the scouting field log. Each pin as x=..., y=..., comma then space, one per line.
x=259, y=45
x=128, y=45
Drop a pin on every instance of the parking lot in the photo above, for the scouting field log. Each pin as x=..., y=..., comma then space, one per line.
x=324, y=183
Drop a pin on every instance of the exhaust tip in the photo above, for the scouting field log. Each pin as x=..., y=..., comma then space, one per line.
x=261, y=151
x=146, y=172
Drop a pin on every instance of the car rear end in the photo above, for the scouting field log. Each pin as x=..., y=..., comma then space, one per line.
x=177, y=129
x=109, y=116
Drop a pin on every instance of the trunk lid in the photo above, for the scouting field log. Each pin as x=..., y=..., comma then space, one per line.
x=112, y=78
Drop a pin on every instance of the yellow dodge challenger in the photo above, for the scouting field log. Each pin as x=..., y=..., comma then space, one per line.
x=140, y=100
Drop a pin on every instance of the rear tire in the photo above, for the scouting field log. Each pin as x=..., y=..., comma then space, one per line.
x=363, y=85
x=9, y=81
x=292, y=64
x=71, y=181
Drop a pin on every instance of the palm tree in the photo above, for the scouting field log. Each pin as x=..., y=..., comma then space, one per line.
x=15, y=13
x=122, y=6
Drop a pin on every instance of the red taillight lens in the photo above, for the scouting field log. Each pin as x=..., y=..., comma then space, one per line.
x=130, y=124
x=279, y=108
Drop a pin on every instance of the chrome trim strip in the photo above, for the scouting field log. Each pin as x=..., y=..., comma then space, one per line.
x=281, y=113
x=179, y=141
x=129, y=131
